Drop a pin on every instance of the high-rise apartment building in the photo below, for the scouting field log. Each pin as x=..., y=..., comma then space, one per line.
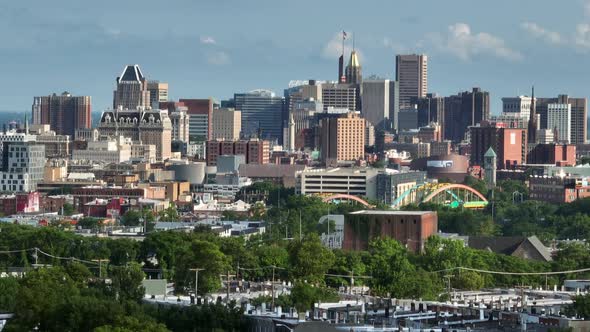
x=559, y=120
x=262, y=114
x=579, y=114
x=340, y=96
x=380, y=103
x=200, y=113
x=464, y=110
x=227, y=124
x=180, y=124
x=411, y=71
x=158, y=93
x=145, y=126
x=132, y=89
x=342, y=138
x=64, y=113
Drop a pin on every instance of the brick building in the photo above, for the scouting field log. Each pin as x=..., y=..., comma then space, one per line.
x=82, y=196
x=557, y=154
x=254, y=150
x=508, y=143
x=558, y=189
x=411, y=228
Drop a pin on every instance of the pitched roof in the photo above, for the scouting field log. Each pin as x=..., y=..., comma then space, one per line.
x=508, y=245
x=131, y=73
x=490, y=153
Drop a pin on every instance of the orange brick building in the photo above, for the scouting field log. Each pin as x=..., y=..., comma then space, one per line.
x=411, y=228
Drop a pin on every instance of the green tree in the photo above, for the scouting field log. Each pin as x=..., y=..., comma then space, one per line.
x=303, y=296
x=68, y=209
x=127, y=282
x=580, y=307
x=169, y=214
x=393, y=273
x=9, y=289
x=309, y=259
x=204, y=255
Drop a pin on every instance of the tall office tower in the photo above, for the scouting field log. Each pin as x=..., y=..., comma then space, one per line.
x=340, y=96
x=411, y=71
x=132, y=89
x=509, y=144
x=64, y=113
x=353, y=70
x=342, y=138
x=180, y=124
x=431, y=108
x=559, y=120
x=262, y=114
x=520, y=105
x=201, y=113
x=380, y=103
x=579, y=113
x=464, y=110
x=227, y=124
x=158, y=93
x=145, y=126
x=22, y=162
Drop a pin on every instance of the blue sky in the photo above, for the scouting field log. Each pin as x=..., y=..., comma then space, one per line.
x=216, y=48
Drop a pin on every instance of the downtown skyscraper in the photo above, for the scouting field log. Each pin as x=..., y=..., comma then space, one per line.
x=132, y=89
x=411, y=71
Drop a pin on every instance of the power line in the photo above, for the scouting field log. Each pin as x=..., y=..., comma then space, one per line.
x=512, y=273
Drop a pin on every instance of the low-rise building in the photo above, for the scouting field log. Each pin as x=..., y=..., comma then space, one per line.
x=349, y=181
x=558, y=189
x=410, y=228
x=392, y=184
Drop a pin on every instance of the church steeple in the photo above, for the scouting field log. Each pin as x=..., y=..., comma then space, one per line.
x=532, y=127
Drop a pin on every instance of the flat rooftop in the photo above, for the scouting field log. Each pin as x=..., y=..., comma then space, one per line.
x=391, y=213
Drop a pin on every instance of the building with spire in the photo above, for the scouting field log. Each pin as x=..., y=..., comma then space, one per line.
x=490, y=161
x=132, y=89
x=533, y=126
x=353, y=69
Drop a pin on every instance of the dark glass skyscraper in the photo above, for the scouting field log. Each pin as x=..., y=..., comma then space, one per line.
x=262, y=114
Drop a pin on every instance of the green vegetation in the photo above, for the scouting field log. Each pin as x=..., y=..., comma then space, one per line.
x=73, y=296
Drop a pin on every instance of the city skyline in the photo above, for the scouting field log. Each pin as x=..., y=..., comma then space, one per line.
x=199, y=58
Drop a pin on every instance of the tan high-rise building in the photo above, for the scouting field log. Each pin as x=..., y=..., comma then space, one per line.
x=142, y=126
x=158, y=93
x=132, y=89
x=226, y=124
x=64, y=113
x=411, y=71
x=342, y=138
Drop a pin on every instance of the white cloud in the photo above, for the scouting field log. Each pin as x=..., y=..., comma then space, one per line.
x=582, y=35
x=219, y=58
x=208, y=40
x=465, y=45
x=538, y=31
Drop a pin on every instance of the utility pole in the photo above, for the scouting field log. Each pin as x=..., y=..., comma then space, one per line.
x=100, y=265
x=227, y=276
x=196, y=279
x=272, y=287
